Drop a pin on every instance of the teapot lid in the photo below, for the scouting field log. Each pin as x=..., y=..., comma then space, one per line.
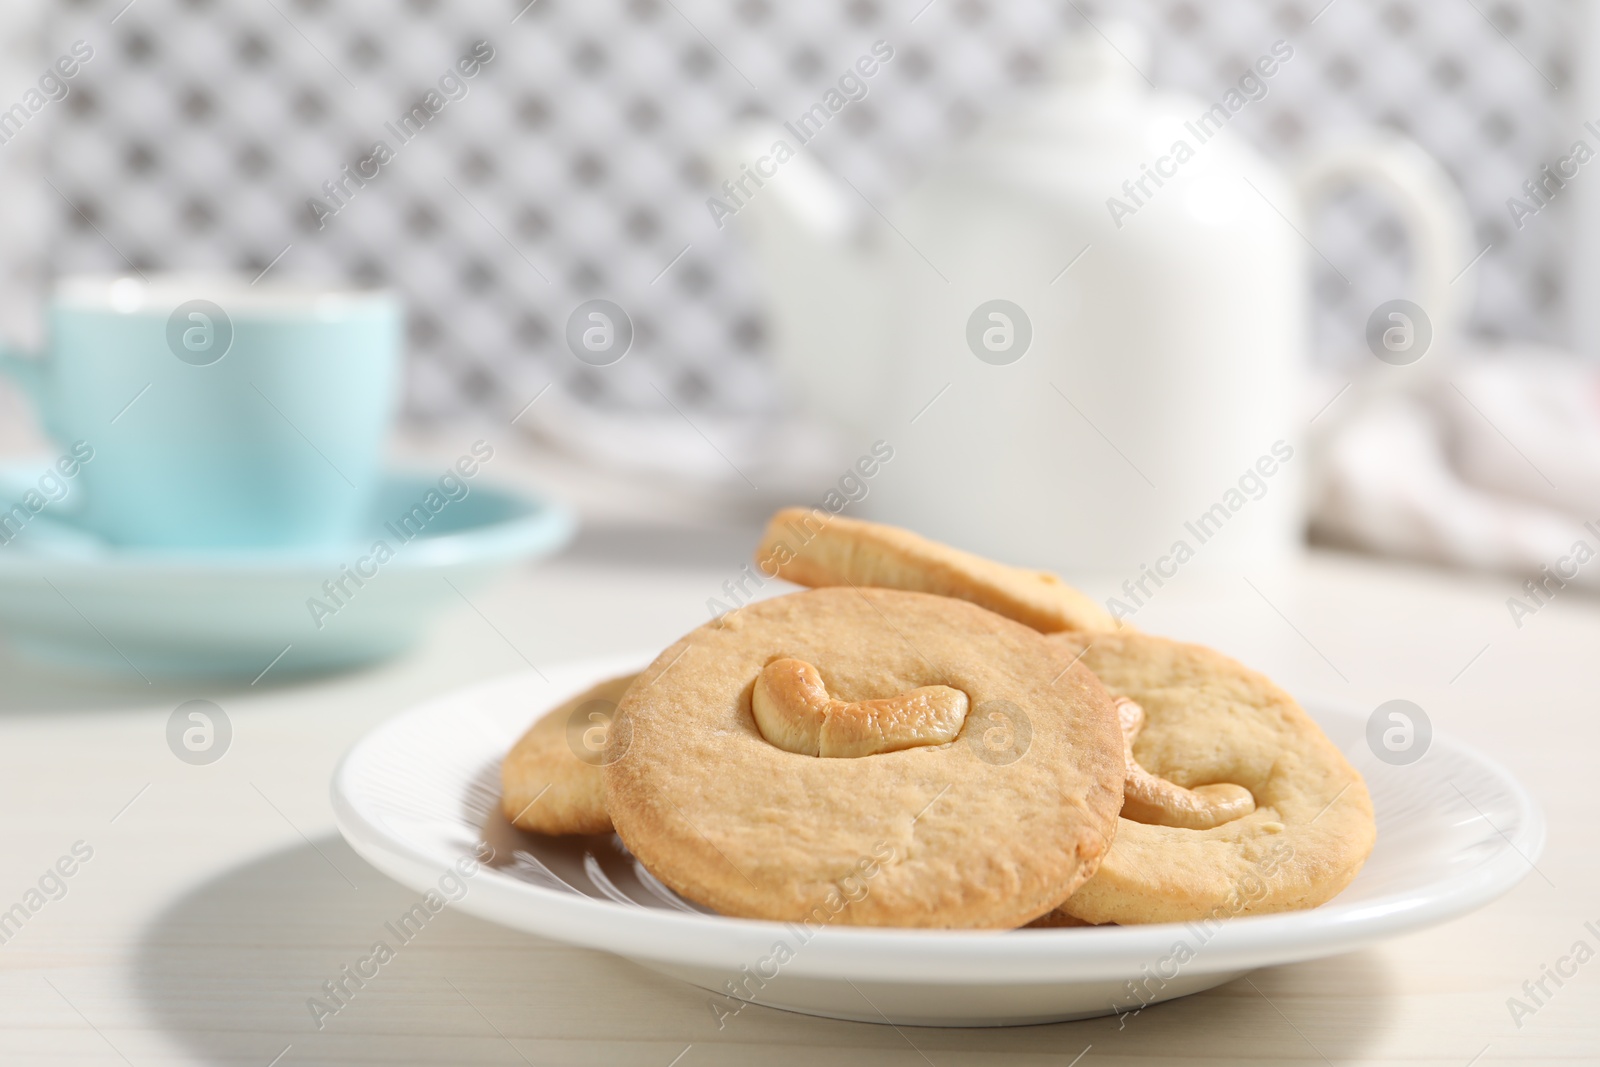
x=1113, y=52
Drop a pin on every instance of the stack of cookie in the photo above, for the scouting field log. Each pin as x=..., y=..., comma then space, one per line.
x=923, y=737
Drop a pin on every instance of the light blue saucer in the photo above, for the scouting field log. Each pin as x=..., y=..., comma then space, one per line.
x=68, y=597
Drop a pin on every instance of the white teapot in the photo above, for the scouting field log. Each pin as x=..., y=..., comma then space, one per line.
x=1084, y=335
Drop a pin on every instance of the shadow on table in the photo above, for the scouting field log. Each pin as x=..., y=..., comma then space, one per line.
x=32, y=685
x=233, y=971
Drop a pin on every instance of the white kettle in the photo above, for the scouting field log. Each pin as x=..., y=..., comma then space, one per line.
x=1084, y=335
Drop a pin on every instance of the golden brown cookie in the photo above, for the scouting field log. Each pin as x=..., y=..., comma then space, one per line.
x=550, y=781
x=810, y=547
x=1208, y=721
x=989, y=825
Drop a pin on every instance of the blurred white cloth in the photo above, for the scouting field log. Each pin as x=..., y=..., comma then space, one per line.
x=1494, y=464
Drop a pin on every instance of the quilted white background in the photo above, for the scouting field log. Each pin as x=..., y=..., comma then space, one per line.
x=575, y=167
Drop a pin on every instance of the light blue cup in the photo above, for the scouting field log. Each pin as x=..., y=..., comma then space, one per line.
x=220, y=414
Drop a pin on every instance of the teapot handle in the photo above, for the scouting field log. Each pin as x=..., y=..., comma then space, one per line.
x=1430, y=204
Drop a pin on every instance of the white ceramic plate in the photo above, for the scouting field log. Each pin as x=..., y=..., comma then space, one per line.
x=421, y=791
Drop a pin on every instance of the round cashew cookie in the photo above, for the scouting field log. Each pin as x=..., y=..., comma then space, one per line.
x=976, y=782
x=1208, y=720
x=550, y=781
x=809, y=546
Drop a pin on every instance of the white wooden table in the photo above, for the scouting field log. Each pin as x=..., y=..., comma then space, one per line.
x=219, y=898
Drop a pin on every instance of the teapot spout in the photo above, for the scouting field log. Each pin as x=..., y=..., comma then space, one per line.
x=817, y=268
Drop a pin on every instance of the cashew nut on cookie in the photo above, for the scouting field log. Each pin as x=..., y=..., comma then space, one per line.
x=795, y=713
x=1158, y=802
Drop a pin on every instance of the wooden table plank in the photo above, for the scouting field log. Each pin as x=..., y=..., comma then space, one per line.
x=217, y=902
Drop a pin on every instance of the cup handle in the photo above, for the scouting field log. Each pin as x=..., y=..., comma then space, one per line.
x=28, y=372
x=24, y=370
x=1430, y=204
